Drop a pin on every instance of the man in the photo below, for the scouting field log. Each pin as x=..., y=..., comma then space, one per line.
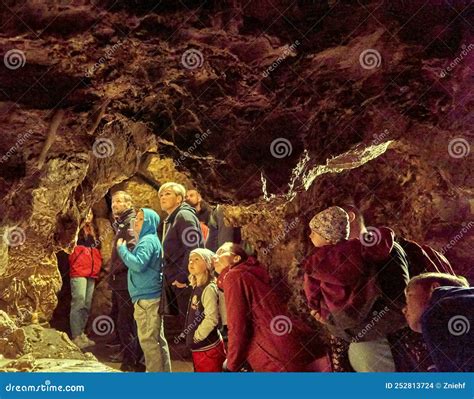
x=441, y=307
x=124, y=214
x=203, y=211
x=181, y=234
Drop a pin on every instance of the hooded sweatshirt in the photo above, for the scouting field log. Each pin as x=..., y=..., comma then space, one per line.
x=261, y=330
x=181, y=234
x=144, y=262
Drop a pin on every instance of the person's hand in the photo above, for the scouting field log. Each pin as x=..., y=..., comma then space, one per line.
x=318, y=316
x=224, y=366
x=177, y=284
x=120, y=242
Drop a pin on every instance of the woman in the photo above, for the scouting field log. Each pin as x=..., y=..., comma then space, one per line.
x=262, y=334
x=85, y=263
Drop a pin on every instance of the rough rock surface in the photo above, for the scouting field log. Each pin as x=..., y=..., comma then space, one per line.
x=248, y=100
x=38, y=348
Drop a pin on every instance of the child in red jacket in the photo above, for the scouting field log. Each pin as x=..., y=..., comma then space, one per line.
x=85, y=263
x=339, y=282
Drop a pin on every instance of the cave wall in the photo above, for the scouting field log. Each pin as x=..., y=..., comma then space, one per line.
x=251, y=102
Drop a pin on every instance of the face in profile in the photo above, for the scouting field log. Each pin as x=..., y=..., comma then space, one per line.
x=418, y=298
x=224, y=257
x=138, y=223
x=317, y=240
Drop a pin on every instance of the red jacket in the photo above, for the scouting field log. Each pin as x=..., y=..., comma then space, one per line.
x=339, y=280
x=261, y=331
x=85, y=262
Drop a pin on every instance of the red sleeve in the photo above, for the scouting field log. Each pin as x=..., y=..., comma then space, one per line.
x=238, y=320
x=312, y=290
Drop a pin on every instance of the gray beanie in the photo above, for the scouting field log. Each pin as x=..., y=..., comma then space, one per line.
x=331, y=224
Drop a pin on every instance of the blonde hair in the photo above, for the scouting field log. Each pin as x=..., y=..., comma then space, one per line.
x=443, y=279
x=177, y=188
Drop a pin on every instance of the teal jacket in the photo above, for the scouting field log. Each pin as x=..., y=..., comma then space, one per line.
x=144, y=262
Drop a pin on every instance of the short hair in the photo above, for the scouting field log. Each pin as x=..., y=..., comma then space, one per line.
x=126, y=196
x=177, y=188
x=426, y=280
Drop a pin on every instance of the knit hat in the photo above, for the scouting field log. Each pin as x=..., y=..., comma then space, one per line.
x=331, y=224
x=205, y=254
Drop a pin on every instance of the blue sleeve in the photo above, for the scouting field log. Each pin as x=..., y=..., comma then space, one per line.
x=139, y=260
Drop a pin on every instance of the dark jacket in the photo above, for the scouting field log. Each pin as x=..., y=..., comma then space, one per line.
x=203, y=316
x=342, y=283
x=204, y=215
x=219, y=232
x=181, y=234
x=144, y=262
x=85, y=260
x=448, y=328
x=261, y=330
x=123, y=229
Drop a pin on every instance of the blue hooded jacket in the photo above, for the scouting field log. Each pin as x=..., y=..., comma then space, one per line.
x=144, y=262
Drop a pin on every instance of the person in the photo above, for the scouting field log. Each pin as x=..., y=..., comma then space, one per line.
x=441, y=307
x=144, y=263
x=262, y=334
x=85, y=263
x=202, y=334
x=342, y=288
x=408, y=348
x=181, y=234
x=124, y=213
x=219, y=232
x=203, y=210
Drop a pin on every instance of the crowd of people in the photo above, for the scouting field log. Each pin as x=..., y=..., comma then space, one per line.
x=387, y=303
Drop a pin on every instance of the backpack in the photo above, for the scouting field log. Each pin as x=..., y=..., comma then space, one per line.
x=424, y=259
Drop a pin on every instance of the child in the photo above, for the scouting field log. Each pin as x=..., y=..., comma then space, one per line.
x=440, y=306
x=341, y=287
x=202, y=319
x=144, y=265
x=85, y=263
